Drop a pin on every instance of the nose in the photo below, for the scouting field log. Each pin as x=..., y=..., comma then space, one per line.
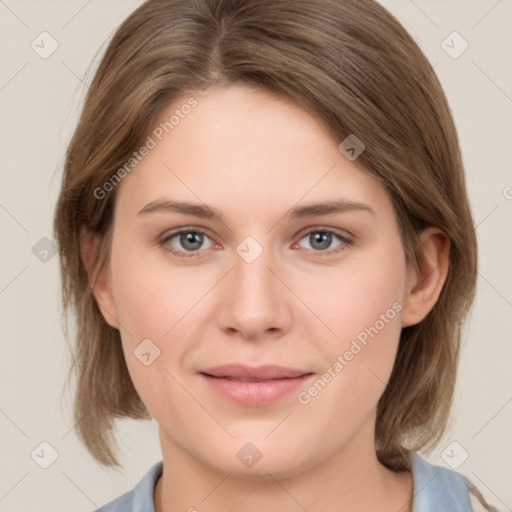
x=257, y=304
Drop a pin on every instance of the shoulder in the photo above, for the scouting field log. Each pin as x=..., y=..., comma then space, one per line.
x=437, y=488
x=121, y=504
x=140, y=498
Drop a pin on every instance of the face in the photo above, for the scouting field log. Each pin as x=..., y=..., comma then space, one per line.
x=246, y=238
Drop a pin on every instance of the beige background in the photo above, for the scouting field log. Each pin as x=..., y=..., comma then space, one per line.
x=39, y=102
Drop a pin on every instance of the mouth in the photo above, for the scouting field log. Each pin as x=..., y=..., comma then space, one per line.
x=254, y=386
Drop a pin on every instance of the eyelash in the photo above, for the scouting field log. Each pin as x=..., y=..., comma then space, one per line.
x=345, y=242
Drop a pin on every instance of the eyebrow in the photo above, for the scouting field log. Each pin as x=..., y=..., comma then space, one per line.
x=205, y=212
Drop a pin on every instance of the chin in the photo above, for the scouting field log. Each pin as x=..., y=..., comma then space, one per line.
x=263, y=461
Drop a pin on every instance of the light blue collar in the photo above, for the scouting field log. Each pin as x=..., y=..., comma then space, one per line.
x=437, y=488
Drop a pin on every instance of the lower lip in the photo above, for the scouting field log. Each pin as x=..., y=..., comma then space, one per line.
x=255, y=392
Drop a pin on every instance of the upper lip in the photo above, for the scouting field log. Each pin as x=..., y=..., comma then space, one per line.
x=264, y=372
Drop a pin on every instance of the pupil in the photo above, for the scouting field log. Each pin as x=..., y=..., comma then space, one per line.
x=322, y=237
x=191, y=240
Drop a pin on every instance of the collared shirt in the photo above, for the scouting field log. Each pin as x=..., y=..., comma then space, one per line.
x=436, y=489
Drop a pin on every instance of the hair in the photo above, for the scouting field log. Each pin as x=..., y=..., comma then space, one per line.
x=353, y=66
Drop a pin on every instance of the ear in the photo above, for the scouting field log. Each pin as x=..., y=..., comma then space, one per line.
x=99, y=279
x=424, y=284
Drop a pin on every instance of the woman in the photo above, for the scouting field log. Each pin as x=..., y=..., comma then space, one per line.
x=265, y=236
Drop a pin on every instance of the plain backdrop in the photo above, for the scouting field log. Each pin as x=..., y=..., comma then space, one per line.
x=40, y=99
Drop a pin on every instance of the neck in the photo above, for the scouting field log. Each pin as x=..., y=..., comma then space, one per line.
x=352, y=479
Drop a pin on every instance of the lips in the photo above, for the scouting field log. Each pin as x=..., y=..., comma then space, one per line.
x=246, y=373
x=254, y=386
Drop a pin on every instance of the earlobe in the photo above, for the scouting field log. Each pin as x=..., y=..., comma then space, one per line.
x=425, y=283
x=99, y=279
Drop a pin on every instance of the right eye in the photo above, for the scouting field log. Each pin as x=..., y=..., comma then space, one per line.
x=185, y=241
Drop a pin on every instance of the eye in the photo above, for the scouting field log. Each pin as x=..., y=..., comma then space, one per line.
x=186, y=241
x=321, y=239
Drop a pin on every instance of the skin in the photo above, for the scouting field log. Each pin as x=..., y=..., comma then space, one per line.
x=253, y=156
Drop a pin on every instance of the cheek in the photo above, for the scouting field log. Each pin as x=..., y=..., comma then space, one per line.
x=147, y=310
x=364, y=311
x=358, y=365
x=150, y=296
x=366, y=296
x=155, y=305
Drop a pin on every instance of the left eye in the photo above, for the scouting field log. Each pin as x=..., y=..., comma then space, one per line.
x=320, y=240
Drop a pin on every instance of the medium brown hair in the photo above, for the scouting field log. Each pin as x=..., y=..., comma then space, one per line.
x=351, y=64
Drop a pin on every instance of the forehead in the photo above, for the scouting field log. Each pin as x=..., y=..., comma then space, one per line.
x=241, y=149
